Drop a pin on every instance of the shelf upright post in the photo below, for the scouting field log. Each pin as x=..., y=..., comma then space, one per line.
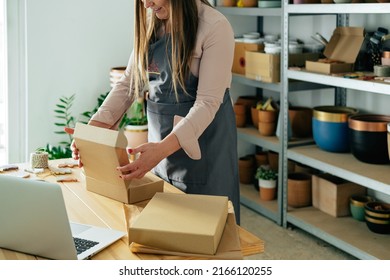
x=341, y=93
x=283, y=136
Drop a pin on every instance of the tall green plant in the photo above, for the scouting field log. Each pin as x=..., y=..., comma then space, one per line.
x=64, y=119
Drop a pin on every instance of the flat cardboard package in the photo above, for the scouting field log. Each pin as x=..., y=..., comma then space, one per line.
x=101, y=151
x=331, y=194
x=265, y=67
x=343, y=47
x=181, y=222
x=239, y=60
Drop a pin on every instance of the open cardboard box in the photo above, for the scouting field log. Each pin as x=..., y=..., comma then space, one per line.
x=239, y=60
x=341, y=51
x=101, y=151
x=186, y=223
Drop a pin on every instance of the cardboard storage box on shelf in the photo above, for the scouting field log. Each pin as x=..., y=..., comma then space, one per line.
x=181, y=222
x=341, y=51
x=239, y=55
x=101, y=151
x=331, y=194
x=266, y=67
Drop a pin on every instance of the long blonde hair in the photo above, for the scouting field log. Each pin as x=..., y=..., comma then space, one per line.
x=183, y=27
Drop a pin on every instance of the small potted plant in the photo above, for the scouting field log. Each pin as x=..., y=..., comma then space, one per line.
x=267, y=179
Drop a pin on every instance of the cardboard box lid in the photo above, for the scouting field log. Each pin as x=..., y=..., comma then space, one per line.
x=101, y=151
x=181, y=222
x=345, y=44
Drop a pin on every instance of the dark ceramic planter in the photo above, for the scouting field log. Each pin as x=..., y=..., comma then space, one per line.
x=368, y=136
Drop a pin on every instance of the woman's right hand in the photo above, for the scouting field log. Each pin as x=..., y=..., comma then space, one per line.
x=75, y=151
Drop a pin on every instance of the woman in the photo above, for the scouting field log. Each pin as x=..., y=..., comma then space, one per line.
x=187, y=48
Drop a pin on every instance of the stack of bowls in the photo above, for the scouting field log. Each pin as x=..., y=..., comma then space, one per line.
x=378, y=217
x=368, y=135
x=330, y=127
x=356, y=205
x=115, y=74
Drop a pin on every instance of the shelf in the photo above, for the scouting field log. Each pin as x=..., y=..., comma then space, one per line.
x=293, y=85
x=370, y=86
x=346, y=233
x=250, y=197
x=344, y=165
x=252, y=135
x=321, y=9
x=250, y=11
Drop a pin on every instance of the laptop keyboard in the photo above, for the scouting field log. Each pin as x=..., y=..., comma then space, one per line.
x=83, y=244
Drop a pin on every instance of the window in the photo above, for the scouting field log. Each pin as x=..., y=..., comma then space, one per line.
x=3, y=86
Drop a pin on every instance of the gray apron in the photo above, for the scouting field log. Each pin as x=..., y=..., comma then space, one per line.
x=216, y=173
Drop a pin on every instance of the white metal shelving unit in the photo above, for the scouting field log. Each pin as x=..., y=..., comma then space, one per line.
x=347, y=234
x=248, y=195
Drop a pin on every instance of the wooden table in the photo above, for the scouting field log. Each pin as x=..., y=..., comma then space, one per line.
x=87, y=207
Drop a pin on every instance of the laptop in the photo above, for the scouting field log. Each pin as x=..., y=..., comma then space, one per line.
x=33, y=220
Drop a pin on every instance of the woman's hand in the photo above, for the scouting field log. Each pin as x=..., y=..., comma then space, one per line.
x=147, y=156
x=75, y=151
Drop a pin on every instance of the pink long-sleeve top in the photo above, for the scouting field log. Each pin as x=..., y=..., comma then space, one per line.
x=212, y=63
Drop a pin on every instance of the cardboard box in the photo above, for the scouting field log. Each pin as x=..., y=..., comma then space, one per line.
x=181, y=222
x=343, y=47
x=266, y=67
x=239, y=55
x=331, y=194
x=101, y=151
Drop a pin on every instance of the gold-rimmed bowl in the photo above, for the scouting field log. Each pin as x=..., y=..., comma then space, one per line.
x=330, y=127
x=368, y=134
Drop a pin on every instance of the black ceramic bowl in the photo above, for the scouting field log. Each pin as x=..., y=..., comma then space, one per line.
x=368, y=136
x=377, y=215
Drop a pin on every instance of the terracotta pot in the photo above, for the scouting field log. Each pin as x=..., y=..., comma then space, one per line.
x=249, y=3
x=246, y=169
x=268, y=116
x=267, y=128
x=267, y=189
x=228, y=3
x=301, y=121
x=240, y=112
x=273, y=160
x=299, y=190
x=255, y=116
x=248, y=101
x=261, y=158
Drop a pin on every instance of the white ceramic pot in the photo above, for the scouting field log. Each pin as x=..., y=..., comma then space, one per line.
x=136, y=135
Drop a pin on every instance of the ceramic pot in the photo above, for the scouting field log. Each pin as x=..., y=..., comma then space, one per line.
x=240, y=112
x=368, y=134
x=299, y=190
x=248, y=101
x=136, y=135
x=261, y=158
x=228, y=3
x=246, y=169
x=267, y=189
x=330, y=128
x=115, y=74
x=357, y=203
x=268, y=116
x=301, y=121
x=378, y=217
x=255, y=116
x=249, y=3
x=267, y=128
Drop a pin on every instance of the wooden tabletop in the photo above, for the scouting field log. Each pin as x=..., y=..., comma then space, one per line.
x=87, y=207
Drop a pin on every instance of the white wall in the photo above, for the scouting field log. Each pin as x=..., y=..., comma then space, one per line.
x=69, y=47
